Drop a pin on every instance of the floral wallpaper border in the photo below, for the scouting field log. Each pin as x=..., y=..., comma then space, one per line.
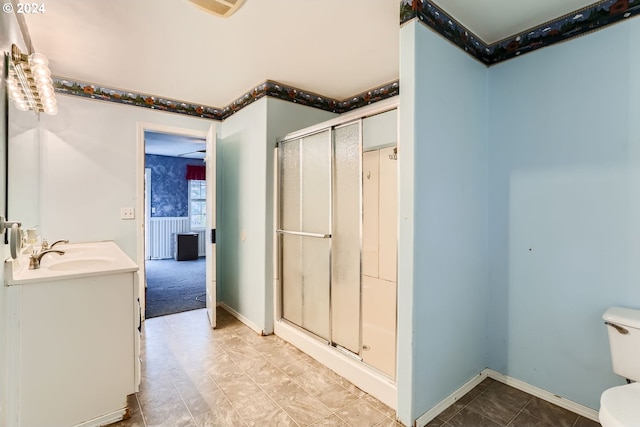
x=267, y=88
x=580, y=22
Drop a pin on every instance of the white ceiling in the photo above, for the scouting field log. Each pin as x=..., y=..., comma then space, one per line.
x=172, y=49
x=495, y=20
x=167, y=144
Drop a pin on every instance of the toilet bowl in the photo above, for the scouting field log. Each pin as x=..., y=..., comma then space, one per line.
x=620, y=406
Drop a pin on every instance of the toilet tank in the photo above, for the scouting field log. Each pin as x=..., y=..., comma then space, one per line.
x=623, y=325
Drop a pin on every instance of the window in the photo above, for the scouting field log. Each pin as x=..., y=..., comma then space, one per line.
x=197, y=204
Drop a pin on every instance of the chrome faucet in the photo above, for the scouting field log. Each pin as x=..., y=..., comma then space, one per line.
x=46, y=245
x=35, y=258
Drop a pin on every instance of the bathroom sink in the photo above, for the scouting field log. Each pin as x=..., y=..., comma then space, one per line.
x=77, y=248
x=79, y=260
x=81, y=264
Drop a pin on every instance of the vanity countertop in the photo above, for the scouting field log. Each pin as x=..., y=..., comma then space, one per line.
x=80, y=260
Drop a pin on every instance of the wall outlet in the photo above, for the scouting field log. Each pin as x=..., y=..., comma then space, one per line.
x=127, y=213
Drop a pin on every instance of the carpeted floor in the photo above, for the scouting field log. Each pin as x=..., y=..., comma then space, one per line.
x=174, y=286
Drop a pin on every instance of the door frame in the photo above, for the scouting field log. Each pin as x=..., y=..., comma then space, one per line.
x=140, y=194
x=147, y=210
x=210, y=234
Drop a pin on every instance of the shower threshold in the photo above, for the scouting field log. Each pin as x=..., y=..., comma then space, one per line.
x=346, y=365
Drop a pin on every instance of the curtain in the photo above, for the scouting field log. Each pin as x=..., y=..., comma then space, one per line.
x=195, y=172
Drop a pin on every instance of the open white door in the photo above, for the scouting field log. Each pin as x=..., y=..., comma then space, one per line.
x=210, y=245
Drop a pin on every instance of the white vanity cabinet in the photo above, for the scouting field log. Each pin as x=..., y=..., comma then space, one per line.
x=74, y=344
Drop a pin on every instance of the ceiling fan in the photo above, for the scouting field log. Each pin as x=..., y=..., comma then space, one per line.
x=192, y=152
x=222, y=8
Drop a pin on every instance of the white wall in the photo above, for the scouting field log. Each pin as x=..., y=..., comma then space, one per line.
x=380, y=130
x=564, y=209
x=443, y=262
x=245, y=212
x=88, y=168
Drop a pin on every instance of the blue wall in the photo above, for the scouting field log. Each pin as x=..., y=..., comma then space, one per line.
x=443, y=141
x=169, y=187
x=241, y=168
x=565, y=209
x=245, y=174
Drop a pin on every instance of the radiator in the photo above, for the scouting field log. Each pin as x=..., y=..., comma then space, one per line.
x=161, y=231
x=202, y=250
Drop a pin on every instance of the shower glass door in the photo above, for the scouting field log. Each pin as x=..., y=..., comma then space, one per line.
x=305, y=230
x=346, y=237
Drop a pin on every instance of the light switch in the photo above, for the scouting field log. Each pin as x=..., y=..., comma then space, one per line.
x=127, y=213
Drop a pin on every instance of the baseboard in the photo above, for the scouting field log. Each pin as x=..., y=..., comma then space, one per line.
x=241, y=318
x=572, y=406
x=104, y=420
x=450, y=400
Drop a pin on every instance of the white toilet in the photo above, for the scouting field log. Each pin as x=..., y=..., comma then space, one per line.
x=620, y=406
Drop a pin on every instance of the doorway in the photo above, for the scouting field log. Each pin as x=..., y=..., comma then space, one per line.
x=177, y=189
x=175, y=209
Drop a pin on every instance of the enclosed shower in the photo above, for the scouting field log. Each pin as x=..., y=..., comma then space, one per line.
x=337, y=235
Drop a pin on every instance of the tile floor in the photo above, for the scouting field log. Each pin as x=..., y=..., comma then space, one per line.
x=231, y=377
x=493, y=404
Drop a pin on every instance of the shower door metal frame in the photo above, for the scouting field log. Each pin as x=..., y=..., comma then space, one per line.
x=280, y=232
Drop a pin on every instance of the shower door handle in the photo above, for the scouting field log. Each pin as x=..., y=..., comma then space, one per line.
x=304, y=234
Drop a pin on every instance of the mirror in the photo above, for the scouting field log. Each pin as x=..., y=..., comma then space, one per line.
x=4, y=119
x=19, y=139
x=19, y=157
x=23, y=165
x=18, y=183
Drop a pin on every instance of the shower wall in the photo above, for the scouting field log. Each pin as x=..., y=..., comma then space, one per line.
x=379, y=247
